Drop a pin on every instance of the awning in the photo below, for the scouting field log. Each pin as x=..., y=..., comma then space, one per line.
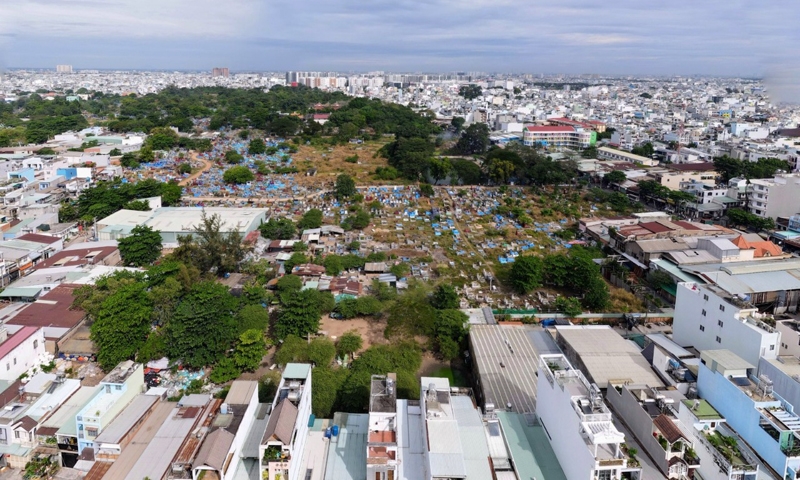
x=634, y=261
x=21, y=292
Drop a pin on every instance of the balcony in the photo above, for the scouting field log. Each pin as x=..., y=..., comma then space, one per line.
x=275, y=454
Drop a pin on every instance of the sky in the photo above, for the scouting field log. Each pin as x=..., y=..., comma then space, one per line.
x=636, y=37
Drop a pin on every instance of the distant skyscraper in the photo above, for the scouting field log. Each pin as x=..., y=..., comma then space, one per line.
x=220, y=72
x=63, y=68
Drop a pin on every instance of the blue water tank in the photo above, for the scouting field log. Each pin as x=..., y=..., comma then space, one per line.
x=335, y=430
x=328, y=432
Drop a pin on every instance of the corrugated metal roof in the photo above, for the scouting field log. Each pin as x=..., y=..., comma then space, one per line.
x=473, y=439
x=530, y=449
x=347, y=452
x=296, y=371
x=120, y=426
x=241, y=392
x=214, y=450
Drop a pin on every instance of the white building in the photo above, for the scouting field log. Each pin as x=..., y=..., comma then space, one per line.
x=707, y=317
x=776, y=197
x=20, y=352
x=579, y=425
x=282, y=445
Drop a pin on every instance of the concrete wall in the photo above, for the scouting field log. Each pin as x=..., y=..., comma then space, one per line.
x=24, y=357
x=740, y=412
x=742, y=338
x=639, y=422
x=785, y=386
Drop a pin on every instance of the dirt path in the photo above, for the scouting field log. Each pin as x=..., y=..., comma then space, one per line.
x=206, y=167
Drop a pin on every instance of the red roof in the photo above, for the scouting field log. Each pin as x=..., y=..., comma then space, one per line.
x=686, y=225
x=16, y=340
x=321, y=116
x=549, y=128
x=38, y=238
x=51, y=310
x=76, y=257
x=655, y=227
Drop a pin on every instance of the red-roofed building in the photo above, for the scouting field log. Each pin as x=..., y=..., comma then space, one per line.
x=53, y=313
x=764, y=248
x=558, y=136
x=20, y=352
x=321, y=118
x=81, y=256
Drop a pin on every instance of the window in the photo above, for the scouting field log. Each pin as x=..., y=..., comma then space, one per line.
x=719, y=340
x=704, y=313
x=702, y=328
x=705, y=297
x=118, y=387
x=8, y=366
x=91, y=432
x=772, y=347
x=719, y=323
x=15, y=360
x=35, y=344
x=722, y=308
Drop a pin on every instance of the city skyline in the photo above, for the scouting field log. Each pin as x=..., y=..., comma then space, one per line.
x=715, y=38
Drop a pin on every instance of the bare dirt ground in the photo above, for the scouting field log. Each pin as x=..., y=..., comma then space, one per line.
x=371, y=330
x=192, y=177
x=330, y=162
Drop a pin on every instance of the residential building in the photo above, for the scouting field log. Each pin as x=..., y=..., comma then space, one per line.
x=775, y=197
x=21, y=352
x=680, y=173
x=557, y=137
x=765, y=421
x=61, y=425
x=579, y=425
x=220, y=72
x=109, y=444
x=63, y=68
x=283, y=442
x=117, y=390
x=608, y=153
x=708, y=317
x=382, y=451
x=652, y=416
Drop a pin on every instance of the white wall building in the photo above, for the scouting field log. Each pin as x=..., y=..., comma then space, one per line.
x=579, y=425
x=20, y=352
x=776, y=197
x=708, y=318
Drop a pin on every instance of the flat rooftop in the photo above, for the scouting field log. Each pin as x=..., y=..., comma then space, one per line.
x=134, y=450
x=606, y=356
x=347, y=453
x=530, y=448
x=506, y=358
x=703, y=410
x=120, y=426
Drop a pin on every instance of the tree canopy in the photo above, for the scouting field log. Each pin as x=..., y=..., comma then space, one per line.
x=141, y=247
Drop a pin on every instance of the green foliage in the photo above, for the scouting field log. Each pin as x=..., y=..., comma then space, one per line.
x=569, y=306
x=289, y=284
x=617, y=176
x=238, y=175
x=466, y=171
x=474, y=140
x=185, y=168
x=445, y=297
x=233, y=157
x=387, y=173
x=325, y=385
x=333, y=264
x=252, y=317
x=645, y=150
x=321, y=351
x=412, y=314
x=202, y=328
x=470, y=92
x=141, y=247
x=40, y=467
x=209, y=249
x=154, y=348
x=410, y=156
x=106, y=198
x=451, y=332
x=526, y=273
x=138, y=205
x=299, y=314
x=426, y=190
x=360, y=220
x=310, y=219
x=361, y=306
x=439, y=168
x=250, y=350
x=278, y=229
x=345, y=187
x=729, y=167
x=224, y=371
x=121, y=324
x=349, y=343
x=256, y=147
x=741, y=217
x=293, y=349
x=354, y=245
x=458, y=123
x=297, y=258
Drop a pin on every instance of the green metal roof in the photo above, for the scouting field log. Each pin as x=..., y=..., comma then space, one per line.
x=21, y=292
x=297, y=370
x=530, y=448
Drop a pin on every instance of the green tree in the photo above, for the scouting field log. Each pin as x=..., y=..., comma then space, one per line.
x=252, y=317
x=310, y=219
x=256, y=147
x=122, y=324
x=439, y=168
x=141, y=247
x=410, y=156
x=238, y=175
x=210, y=249
x=299, y=314
x=500, y=171
x=333, y=265
x=321, y=351
x=289, y=284
x=293, y=349
x=426, y=190
x=326, y=384
x=458, y=123
x=474, y=140
x=184, y=168
x=569, y=306
x=451, y=332
x=115, y=152
x=250, y=350
x=349, y=343
x=345, y=187
x=297, y=258
x=526, y=273
x=278, y=229
x=596, y=295
x=445, y=297
x=202, y=328
x=466, y=171
x=165, y=297
x=617, y=176
x=224, y=371
x=470, y=91
x=233, y=157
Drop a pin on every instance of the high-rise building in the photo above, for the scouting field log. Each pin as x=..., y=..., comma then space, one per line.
x=220, y=72
x=63, y=68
